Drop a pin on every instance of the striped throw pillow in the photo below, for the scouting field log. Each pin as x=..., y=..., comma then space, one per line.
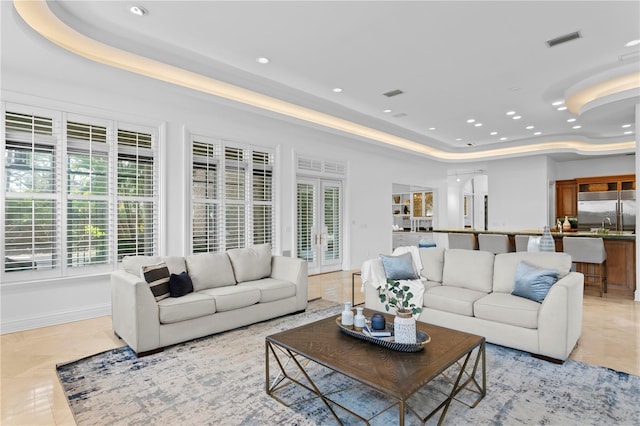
x=157, y=276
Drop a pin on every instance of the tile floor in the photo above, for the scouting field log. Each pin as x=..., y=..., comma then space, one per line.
x=31, y=394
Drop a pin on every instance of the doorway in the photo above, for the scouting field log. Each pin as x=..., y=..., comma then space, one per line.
x=319, y=223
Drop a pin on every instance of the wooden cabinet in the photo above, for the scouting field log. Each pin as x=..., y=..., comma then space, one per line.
x=606, y=183
x=621, y=266
x=566, y=198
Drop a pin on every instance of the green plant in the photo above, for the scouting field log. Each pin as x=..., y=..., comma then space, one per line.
x=398, y=296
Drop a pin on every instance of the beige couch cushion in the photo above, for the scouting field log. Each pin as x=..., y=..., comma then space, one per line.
x=456, y=300
x=508, y=309
x=189, y=306
x=272, y=289
x=506, y=264
x=472, y=269
x=251, y=263
x=210, y=270
x=432, y=262
x=233, y=297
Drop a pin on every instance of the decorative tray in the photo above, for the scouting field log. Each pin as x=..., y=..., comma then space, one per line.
x=422, y=338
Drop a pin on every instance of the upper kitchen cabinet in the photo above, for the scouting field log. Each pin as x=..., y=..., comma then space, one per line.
x=566, y=198
x=607, y=183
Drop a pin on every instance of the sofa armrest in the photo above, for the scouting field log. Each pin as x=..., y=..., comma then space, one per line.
x=134, y=312
x=293, y=270
x=560, y=317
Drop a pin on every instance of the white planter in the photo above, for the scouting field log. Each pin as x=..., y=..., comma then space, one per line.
x=404, y=327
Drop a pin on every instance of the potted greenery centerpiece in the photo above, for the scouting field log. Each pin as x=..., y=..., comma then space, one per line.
x=398, y=296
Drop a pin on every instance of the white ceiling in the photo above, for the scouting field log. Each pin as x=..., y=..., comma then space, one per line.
x=453, y=60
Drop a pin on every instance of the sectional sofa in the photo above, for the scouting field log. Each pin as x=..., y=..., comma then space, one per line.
x=471, y=291
x=228, y=290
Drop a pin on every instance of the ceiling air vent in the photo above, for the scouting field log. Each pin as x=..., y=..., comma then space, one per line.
x=393, y=93
x=400, y=115
x=563, y=39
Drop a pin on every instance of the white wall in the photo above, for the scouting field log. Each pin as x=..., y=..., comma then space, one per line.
x=518, y=193
x=618, y=165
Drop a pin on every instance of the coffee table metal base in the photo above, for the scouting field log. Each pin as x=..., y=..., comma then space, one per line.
x=470, y=365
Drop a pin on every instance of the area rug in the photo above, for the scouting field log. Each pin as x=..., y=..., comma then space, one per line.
x=221, y=380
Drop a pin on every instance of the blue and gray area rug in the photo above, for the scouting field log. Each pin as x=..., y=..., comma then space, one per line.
x=221, y=380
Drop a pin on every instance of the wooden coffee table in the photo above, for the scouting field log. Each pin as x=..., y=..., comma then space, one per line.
x=398, y=375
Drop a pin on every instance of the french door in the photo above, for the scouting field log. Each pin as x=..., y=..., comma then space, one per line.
x=319, y=223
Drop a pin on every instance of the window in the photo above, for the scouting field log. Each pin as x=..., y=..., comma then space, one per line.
x=232, y=196
x=87, y=195
x=136, y=200
x=76, y=197
x=32, y=205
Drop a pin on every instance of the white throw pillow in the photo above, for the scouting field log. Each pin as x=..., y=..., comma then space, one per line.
x=210, y=270
x=251, y=263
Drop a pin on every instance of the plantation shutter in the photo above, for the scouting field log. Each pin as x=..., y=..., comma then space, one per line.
x=305, y=199
x=235, y=193
x=136, y=194
x=262, y=188
x=88, y=217
x=332, y=224
x=31, y=211
x=205, y=235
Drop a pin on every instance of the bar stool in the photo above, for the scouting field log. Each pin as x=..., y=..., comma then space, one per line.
x=522, y=242
x=590, y=258
x=494, y=243
x=462, y=241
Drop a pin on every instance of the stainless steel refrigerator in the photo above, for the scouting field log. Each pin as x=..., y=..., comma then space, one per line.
x=615, y=209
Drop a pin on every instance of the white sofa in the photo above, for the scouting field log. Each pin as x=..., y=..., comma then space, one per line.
x=231, y=289
x=470, y=290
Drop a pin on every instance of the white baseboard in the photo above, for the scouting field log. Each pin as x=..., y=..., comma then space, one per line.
x=56, y=318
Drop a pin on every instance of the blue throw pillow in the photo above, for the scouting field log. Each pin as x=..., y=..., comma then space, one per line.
x=532, y=282
x=399, y=267
x=179, y=285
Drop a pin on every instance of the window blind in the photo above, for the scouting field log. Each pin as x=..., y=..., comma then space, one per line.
x=205, y=200
x=88, y=218
x=235, y=176
x=305, y=220
x=31, y=211
x=136, y=194
x=332, y=211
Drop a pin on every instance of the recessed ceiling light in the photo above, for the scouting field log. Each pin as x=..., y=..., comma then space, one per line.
x=537, y=133
x=556, y=103
x=478, y=125
x=571, y=120
x=457, y=179
x=138, y=10
x=632, y=43
x=262, y=60
x=511, y=112
x=503, y=139
x=471, y=120
x=624, y=126
x=562, y=108
x=387, y=110
x=516, y=117
x=529, y=127
x=577, y=127
x=493, y=133
x=432, y=128
x=458, y=139
x=337, y=90
x=628, y=132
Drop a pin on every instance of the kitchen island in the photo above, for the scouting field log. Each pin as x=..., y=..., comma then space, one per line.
x=620, y=248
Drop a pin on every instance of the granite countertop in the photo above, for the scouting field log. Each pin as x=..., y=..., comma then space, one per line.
x=613, y=235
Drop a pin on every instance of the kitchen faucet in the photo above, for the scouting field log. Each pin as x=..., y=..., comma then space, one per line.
x=607, y=219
